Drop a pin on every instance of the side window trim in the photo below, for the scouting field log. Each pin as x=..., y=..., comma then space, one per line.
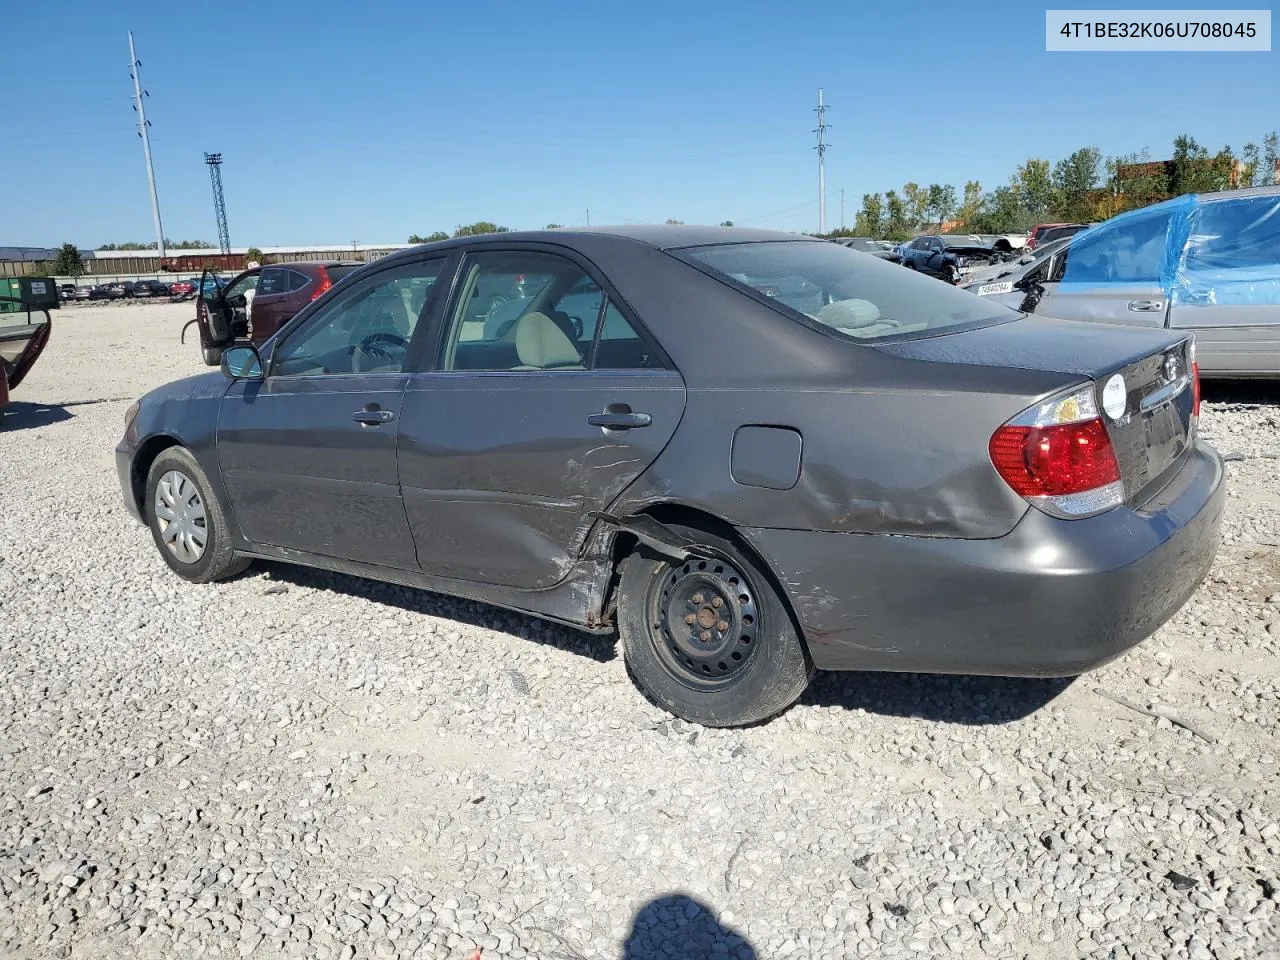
x=306, y=321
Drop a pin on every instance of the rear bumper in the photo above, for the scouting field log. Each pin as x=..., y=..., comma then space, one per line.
x=1052, y=598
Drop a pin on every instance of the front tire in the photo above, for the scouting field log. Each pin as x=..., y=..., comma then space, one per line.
x=709, y=640
x=187, y=522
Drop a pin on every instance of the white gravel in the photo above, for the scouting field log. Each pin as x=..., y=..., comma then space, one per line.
x=308, y=765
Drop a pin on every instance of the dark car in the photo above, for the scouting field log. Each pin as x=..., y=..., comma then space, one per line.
x=24, y=332
x=949, y=258
x=900, y=476
x=100, y=291
x=225, y=311
x=120, y=291
x=150, y=288
x=66, y=291
x=1047, y=232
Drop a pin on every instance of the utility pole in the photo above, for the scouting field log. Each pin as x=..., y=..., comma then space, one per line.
x=588, y=216
x=134, y=64
x=842, y=208
x=214, y=160
x=822, y=167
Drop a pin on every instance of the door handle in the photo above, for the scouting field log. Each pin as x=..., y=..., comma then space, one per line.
x=619, y=421
x=372, y=415
x=1146, y=306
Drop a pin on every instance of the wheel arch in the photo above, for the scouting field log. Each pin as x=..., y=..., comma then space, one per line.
x=673, y=513
x=150, y=448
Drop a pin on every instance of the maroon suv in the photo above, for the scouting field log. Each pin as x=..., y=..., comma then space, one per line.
x=280, y=291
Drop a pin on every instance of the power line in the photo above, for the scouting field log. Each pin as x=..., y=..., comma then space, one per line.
x=214, y=160
x=134, y=64
x=776, y=213
x=822, y=169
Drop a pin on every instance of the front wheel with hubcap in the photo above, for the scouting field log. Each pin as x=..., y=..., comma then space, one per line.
x=709, y=639
x=187, y=521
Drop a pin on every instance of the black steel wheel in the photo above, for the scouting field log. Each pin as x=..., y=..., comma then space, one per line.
x=709, y=639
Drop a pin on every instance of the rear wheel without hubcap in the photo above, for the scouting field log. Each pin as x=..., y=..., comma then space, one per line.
x=708, y=638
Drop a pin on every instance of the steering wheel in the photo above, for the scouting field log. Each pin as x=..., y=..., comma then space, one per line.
x=377, y=350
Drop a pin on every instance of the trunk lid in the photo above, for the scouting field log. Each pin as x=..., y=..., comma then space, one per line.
x=1151, y=430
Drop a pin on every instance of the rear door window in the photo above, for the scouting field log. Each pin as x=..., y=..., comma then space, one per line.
x=274, y=280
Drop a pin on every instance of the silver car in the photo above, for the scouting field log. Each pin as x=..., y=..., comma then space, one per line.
x=1203, y=263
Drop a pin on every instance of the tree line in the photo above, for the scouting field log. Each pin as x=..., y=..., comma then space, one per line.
x=169, y=245
x=1081, y=188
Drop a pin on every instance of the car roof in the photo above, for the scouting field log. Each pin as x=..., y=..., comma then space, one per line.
x=661, y=236
x=1269, y=190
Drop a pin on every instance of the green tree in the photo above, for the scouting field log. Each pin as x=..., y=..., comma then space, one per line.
x=253, y=254
x=1135, y=182
x=1003, y=211
x=1270, y=157
x=870, y=219
x=479, y=228
x=971, y=205
x=941, y=203
x=1074, y=179
x=1193, y=170
x=915, y=200
x=429, y=238
x=68, y=262
x=896, y=226
x=1035, y=187
x=675, y=223
x=1250, y=165
x=554, y=226
x=726, y=223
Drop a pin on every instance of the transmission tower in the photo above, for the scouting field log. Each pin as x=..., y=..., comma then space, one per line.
x=214, y=160
x=143, y=128
x=822, y=167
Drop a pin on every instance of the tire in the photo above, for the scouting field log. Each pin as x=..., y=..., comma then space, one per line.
x=212, y=356
x=748, y=672
x=199, y=516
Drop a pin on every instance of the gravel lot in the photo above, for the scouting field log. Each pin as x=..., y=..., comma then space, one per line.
x=302, y=764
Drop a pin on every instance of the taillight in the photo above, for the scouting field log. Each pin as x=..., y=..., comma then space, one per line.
x=325, y=284
x=1195, y=379
x=1058, y=456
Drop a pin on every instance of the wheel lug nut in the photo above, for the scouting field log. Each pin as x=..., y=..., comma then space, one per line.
x=717, y=602
x=722, y=626
x=696, y=598
x=706, y=636
x=690, y=619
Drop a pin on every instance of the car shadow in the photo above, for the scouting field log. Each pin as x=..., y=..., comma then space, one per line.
x=601, y=648
x=27, y=416
x=950, y=698
x=1244, y=392
x=677, y=925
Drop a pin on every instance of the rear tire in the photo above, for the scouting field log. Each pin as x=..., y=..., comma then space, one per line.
x=751, y=665
x=187, y=522
x=212, y=355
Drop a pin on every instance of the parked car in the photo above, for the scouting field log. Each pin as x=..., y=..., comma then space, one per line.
x=899, y=476
x=24, y=333
x=949, y=258
x=1207, y=264
x=1044, y=232
x=280, y=290
x=120, y=290
x=150, y=288
x=66, y=291
x=873, y=247
x=100, y=291
x=82, y=293
x=184, y=288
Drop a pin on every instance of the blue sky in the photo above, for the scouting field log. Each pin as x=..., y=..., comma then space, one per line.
x=341, y=122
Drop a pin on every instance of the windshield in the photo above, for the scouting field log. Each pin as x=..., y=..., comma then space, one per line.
x=858, y=296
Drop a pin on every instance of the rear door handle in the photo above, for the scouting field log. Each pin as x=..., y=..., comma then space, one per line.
x=373, y=415
x=1146, y=306
x=619, y=421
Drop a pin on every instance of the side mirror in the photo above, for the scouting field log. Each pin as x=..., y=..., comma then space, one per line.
x=242, y=362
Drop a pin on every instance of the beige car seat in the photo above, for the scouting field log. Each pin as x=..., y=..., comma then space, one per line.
x=542, y=345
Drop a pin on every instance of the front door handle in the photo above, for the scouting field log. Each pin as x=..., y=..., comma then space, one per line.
x=372, y=415
x=619, y=421
x=1146, y=306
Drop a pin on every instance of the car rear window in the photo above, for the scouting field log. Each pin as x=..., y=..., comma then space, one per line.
x=855, y=295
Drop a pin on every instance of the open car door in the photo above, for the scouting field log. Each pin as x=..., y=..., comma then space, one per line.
x=221, y=312
x=23, y=335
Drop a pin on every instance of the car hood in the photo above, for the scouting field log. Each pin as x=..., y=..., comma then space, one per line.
x=976, y=249
x=1072, y=347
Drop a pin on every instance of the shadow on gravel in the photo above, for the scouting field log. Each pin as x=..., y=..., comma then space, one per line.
x=1246, y=392
x=677, y=925
x=27, y=416
x=598, y=648
x=949, y=698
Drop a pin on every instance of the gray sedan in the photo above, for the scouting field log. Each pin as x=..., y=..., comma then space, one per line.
x=750, y=454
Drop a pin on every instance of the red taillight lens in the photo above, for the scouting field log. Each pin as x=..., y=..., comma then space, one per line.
x=325, y=284
x=1055, y=461
x=1195, y=388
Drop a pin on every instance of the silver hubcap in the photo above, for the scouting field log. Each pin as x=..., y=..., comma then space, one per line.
x=180, y=516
